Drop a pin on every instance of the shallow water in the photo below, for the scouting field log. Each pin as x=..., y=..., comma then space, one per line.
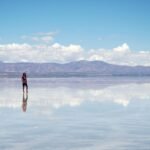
x=75, y=114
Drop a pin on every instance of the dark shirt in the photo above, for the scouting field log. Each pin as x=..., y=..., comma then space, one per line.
x=24, y=80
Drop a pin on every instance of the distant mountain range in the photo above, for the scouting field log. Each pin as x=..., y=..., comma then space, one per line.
x=78, y=68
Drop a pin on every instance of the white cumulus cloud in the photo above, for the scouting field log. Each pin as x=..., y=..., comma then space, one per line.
x=56, y=52
x=122, y=48
x=39, y=53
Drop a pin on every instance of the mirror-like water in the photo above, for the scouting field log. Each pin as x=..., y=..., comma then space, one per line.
x=75, y=114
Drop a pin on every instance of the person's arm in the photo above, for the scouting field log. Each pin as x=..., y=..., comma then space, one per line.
x=22, y=79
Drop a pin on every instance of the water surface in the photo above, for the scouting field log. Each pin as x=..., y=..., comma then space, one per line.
x=75, y=114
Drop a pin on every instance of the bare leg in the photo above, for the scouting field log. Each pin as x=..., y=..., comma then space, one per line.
x=23, y=88
x=26, y=88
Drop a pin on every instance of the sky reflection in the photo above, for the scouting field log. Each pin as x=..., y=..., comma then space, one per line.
x=74, y=116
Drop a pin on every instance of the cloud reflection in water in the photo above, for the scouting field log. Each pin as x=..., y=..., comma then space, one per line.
x=59, y=96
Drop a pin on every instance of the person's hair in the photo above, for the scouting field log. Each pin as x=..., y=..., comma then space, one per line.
x=24, y=74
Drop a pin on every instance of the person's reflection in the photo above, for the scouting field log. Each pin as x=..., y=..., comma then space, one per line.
x=24, y=102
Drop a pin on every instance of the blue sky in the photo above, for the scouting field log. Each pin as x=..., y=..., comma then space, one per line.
x=92, y=24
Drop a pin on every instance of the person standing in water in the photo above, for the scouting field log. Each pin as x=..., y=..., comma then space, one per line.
x=24, y=82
